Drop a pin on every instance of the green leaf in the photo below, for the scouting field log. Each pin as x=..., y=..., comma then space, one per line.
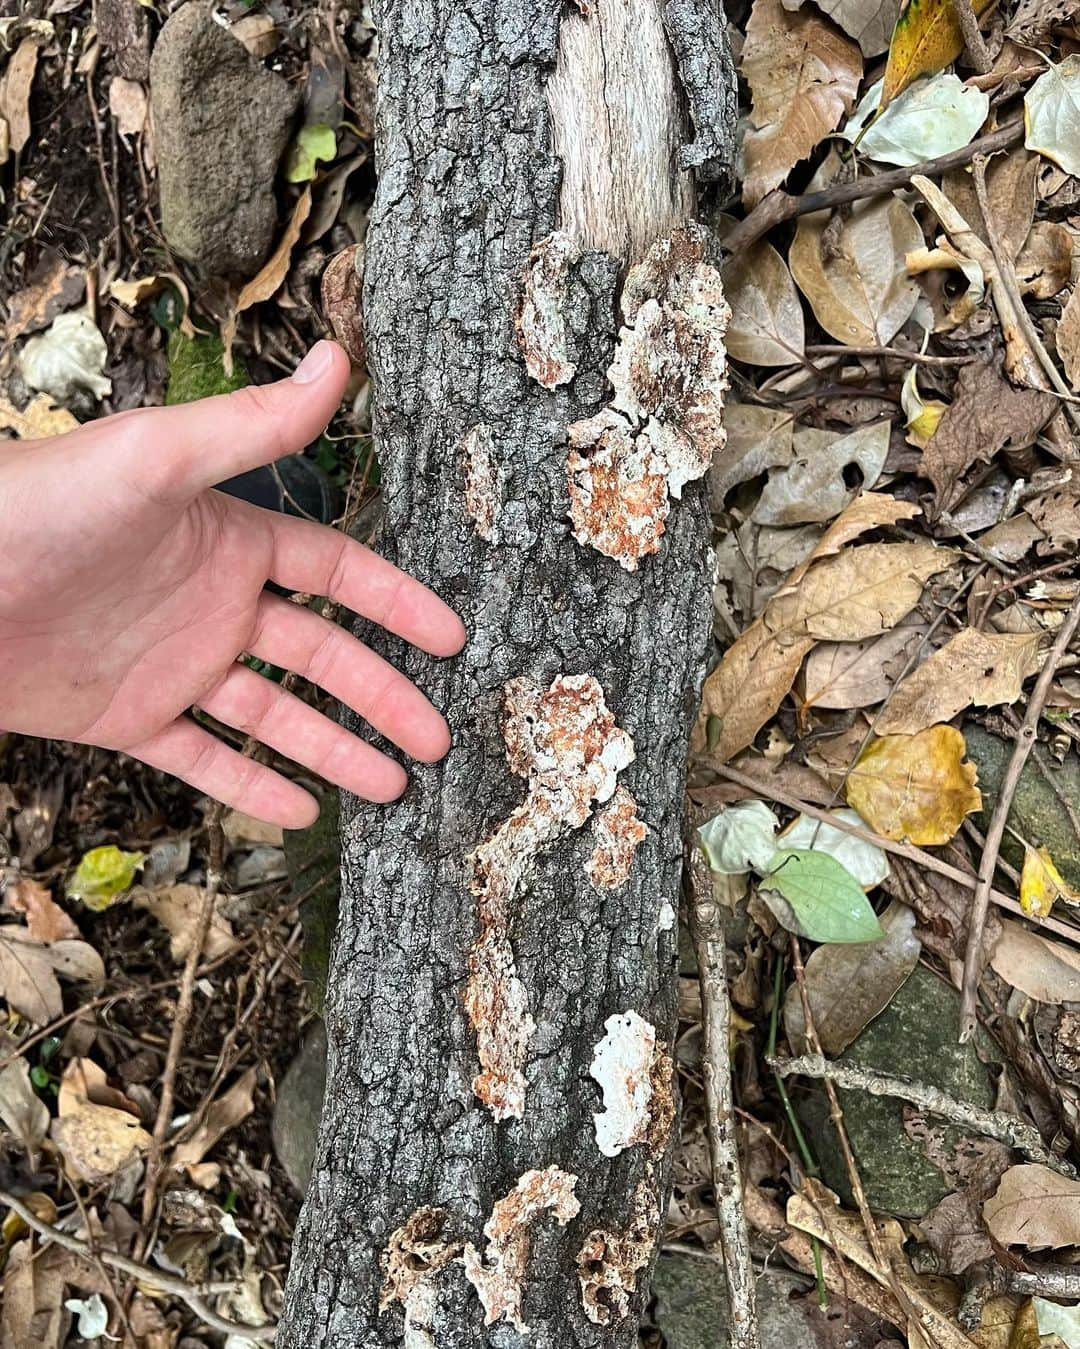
x=826, y=899
x=313, y=143
x=103, y=875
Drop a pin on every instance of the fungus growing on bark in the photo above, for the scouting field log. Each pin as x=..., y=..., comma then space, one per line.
x=543, y=333
x=665, y=420
x=499, y=1276
x=482, y=490
x=414, y=1255
x=565, y=743
x=634, y=1074
x=609, y=1262
x=618, y=832
x=342, y=297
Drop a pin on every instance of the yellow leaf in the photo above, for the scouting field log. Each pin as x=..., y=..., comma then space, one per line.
x=1041, y=884
x=37, y=420
x=925, y=40
x=915, y=787
x=102, y=875
x=921, y=415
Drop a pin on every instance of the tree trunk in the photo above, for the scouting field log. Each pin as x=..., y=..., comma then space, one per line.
x=509, y=925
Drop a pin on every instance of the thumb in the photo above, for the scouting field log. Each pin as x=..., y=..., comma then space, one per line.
x=197, y=445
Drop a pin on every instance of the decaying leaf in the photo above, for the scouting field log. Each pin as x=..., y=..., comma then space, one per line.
x=858, y=674
x=103, y=875
x=1044, y=266
x=46, y=921
x=972, y=669
x=826, y=901
x=926, y=39
x=803, y=76
x=22, y=1112
x=1067, y=338
x=1034, y=1207
x=928, y=119
x=1045, y=970
x=15, y=84
x=128, y=104
x=814, y=487
x=176, y=908
x=67, y=360
x=869, y=22
x=1041, y=884
x=847, y=986
x=32, y=1312
x=223, y=1114
x=29, y=970
x=1052, y=114
x=767, y=325
x=915, y=787
x=922, y=416
x=1010, y=191
x=858, y=287
x=740, y=838
x=758, y=438
x=95, y=1130
x=58, y=287
x=37, y=420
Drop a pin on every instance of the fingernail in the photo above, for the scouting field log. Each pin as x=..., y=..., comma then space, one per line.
x=314, y=364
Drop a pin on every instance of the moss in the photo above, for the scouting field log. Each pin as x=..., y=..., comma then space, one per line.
x=197, y=370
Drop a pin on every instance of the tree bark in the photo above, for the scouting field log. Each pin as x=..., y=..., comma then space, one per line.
x=483, y=947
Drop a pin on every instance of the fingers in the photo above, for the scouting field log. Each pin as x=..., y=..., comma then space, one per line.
x=316, y=560
x=297, y=639
x=190, y=753
x=186, y=449
x=260, y=708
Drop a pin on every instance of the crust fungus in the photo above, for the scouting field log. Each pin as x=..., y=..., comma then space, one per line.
x=414, y=1255
x=542, y=330
x=565, y=743
x=342, y=301
x=618, y=833
x=499, y=1276
x=609, y=1262
x=482, y=498
x=634, y=1074
x=664, y=423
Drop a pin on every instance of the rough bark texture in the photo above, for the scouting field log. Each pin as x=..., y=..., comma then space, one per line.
x=408, y=1157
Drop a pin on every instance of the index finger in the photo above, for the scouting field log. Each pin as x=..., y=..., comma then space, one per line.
x=322, y=561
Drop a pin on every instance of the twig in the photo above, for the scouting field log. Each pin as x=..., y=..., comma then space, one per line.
x=779, y=206
x=1007, y=1129
x=155, y=1278
x=977, y=51
x=908, y=850
x=1025, y=739
x=892, y=353
x=707, y=930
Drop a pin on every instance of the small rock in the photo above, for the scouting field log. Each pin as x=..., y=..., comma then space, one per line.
x=295, y=1126
x=691, y=1305
x=221, y=124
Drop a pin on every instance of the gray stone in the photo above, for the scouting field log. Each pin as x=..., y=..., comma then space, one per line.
x=299, y=1105
x=915, y=1036
x=221, y=123
x=691, y=1305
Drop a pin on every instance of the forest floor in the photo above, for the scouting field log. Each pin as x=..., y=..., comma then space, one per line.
x=886, y=770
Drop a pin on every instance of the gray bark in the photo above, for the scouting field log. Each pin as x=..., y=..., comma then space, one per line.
x=468, y=182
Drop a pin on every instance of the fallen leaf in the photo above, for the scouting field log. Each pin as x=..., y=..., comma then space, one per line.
x=128, y=104
x=767, y=325
x=928, y=119
x=222, y=1115
x=36, y=305
x=922, y=417
x=986, y=416
x=1057, y=514
x=269, y=277
x=915, y=787
x=926, y=39
x=869, y=510
x=847, y=987
x=139, y=288
x=972, y=669
x=1010, y=191
x=103, y=875
x=814, y=487
x=31, y=1312
x=46, y=921
x=1045, y=970
x=1044, y=266
x=68, y=359
x=1041, y=884
x=37, y=420
x=1034, y=1207
x=1067, y=338
x=803, y=76
x=29, y=969
x=860, y=858
x=95, y=1136
x=1052, y=114
x=740, y=838
x=313, y=144
x=828, y=903
x=23, y=1113
x=1051, y=1318
x=176, y=908
x=258, y=33
x=859, y=288
x=858, y=674
x=758, y=439
x=869, y=22
x=15, y=84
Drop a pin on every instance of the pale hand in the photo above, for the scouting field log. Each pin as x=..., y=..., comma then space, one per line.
x=129, y=589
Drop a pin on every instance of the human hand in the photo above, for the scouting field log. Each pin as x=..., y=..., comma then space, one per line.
x=129, y=590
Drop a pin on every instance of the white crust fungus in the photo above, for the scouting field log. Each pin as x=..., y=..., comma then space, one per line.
x=542, y=330
x=634, y=1074
x=618, y=832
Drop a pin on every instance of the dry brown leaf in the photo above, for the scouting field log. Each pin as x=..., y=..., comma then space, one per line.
x=128, y=104
x=1067, y=338
x=15, y=87
x=803, y=76
x=240, y=828
x=32, y=1309
x=1034, y=1207
x=1058, y=516
x=869, y=22
x=767, y=325
x=29, y=969
x=848, y=986
x=1045, y=970
x=858, y=674
x=814, y=487
x=869, y=510
x=758, y=438
x=915, y=787
x=270, y=276
x=858, y=286
x=37, y=420
x=46, y=921
x=1010, y=189
x=36, y=305
x=177, y=908
x=24, y=1113
x=222, y=1115
x=987, y=415
x=974, y=668
x=95, y=1134
x=1044, y=266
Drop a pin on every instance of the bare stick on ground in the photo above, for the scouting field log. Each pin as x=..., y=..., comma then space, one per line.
x=1025, y=739
x=977, y=51
x=707, y=930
